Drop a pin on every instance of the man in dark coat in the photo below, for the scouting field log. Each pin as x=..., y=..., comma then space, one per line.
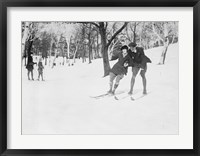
x=29, y=66
x=120, y=68
x=140, y=61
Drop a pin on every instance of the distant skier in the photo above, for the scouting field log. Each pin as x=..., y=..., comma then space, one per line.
x=119, y=69
x=140, y=61
x=40, y=69
x=29, y=66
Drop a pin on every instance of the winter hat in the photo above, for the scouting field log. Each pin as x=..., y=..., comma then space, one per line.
x=124, y=47
x=132, y=44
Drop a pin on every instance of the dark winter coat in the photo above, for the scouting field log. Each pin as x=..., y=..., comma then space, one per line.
x=119, y=67
x=139, y=58
x=30, y=63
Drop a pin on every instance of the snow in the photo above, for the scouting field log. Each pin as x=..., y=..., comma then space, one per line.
x=63, y=103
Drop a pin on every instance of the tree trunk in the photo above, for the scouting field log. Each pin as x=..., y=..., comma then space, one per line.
x=68, y=49
x=140, y=39
x=90, y=49
x=24, y=38
x=98, y=45
x=30, y=43
x=55, y=55
x=83, y=54
x=63, y=55
x=106, y=63
x=102, y=29
x=104, y=51
x=166, y=45
x=164, y=52
x=89, y=44
x=45, y=60
x=74, y=58
x=54, y=59
x=90, y=54
x=51, y=45
x=134, y=33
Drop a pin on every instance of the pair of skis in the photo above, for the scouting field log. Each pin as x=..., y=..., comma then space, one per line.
x=124, y=97
x=103, y=96
x=116, y=97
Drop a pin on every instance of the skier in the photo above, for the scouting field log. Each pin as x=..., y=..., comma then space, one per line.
x=40, y=69
x=29, y=66
x=119, y=69
x=140, y=61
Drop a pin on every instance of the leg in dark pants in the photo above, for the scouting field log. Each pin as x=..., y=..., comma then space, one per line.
x=28, y=74
x=32, y=74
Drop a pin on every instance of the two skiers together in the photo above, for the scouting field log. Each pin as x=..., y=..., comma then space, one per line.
x=30, y=68
x=133, y=57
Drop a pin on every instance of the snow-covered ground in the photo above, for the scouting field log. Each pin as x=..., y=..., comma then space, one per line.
x=63, y=103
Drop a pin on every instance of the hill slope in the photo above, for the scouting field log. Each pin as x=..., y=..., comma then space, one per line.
x=63, y=103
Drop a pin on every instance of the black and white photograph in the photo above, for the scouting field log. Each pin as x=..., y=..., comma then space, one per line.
x=100, y=77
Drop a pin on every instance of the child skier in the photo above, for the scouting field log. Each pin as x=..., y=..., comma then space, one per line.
x=119, y=69
x=40, y=69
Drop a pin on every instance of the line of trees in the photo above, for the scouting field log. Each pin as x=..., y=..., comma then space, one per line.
x=91, y=40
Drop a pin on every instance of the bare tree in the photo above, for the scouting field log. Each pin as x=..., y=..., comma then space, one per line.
x=102, y=26
x=24, y=39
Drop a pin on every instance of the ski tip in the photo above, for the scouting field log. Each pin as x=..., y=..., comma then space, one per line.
x=116, y=98
x=132, y=99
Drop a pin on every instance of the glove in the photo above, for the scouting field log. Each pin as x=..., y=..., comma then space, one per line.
x=125, y=64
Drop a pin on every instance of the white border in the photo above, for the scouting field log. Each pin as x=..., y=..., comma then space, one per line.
x=182, y=141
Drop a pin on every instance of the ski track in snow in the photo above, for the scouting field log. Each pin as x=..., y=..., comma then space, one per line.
x=62, y=104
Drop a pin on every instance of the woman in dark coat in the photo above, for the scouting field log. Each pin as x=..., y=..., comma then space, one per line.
x=119, y=69
x=29, y=66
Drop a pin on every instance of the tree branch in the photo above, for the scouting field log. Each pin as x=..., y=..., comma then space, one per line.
x=137, y=23
x=93, y=23
x=131, y=28
x=116, y=33
x=111, y=31
x=128, y=36
x=106, y=25
x=153, y=27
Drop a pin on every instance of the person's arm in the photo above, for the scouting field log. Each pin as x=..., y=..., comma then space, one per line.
x=126, y=66
x=131, y=53
x=130, y=58
x=114, y=57
x=140, y=50
x=144, y=59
